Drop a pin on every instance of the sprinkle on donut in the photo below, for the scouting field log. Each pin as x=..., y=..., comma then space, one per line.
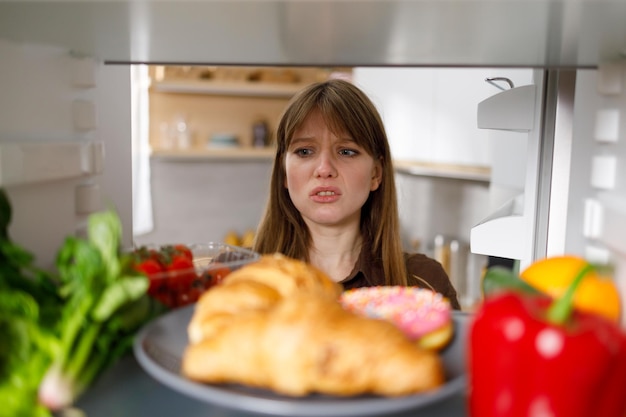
x=415, y=311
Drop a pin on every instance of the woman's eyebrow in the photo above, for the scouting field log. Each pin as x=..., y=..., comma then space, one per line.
x=299, y=140
x=346, y=139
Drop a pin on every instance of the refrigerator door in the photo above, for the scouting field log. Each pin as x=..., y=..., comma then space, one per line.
x=65, y=143
x=509, y=231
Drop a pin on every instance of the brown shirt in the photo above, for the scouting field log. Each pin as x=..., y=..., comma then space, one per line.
x=424, y=272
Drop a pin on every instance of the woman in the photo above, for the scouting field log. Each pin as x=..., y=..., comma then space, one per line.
x=332, y=196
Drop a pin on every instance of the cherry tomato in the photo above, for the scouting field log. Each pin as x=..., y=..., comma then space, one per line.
x=142, y=253
x=153, y=271
x=170, y=268
x=149, y=267
x=181, y=273
x=170, y=251
x=186, y=297
x=184, y=250
x=215, y=274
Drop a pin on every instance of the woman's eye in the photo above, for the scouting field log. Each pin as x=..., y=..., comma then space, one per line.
x=348, y=152
x=303, y=151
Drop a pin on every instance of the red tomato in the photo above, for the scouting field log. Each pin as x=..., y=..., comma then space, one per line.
x=156, y=256
x=142, y=253
x=181, y=274
x=194, y=294
x=170, y=251
x=178, y=283
x=149, y=267
x=180, y=262
x=215, y=274
x=152, y=269
x=186, y=297
x=184, y=250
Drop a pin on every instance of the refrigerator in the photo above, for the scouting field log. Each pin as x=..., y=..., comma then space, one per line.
x=68, y=136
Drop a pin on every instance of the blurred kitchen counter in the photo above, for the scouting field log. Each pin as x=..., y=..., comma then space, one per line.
x=441, y=170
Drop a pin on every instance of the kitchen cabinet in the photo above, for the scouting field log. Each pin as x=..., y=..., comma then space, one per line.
x=229, y=88
x=230, y=100
x=201, y=103
x=207, y=154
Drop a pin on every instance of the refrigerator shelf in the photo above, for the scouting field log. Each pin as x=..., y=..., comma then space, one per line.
x=35, y=162
x=500, y=234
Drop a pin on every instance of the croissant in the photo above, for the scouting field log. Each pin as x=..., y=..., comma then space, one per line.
x=307, y=343
x=256, y=287
x=286, y=275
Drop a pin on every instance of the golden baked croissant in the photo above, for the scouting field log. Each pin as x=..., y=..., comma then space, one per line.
x=256, y=287
x=286, y=275
x=308, y=343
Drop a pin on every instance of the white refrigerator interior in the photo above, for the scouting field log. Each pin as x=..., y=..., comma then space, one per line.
x=66, y=91
x=65, y=143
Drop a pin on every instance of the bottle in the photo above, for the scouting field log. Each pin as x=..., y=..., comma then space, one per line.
x=167, y=138
x=183, y=137
x=260, y=134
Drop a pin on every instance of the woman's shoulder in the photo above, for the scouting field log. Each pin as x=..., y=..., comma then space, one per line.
x=420, y=262
x=427, y=272
x=423, y=268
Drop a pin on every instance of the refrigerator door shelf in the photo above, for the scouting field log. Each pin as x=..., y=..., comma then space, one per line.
x=612, y=224
x=512, y=110
x=501, y=233
x=28, y=163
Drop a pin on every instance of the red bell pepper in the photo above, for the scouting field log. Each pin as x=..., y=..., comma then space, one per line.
x=532, y=356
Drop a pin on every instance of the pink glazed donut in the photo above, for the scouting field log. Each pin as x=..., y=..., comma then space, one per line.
x=423, y=315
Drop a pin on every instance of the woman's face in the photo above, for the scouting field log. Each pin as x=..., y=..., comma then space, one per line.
x=328, y=176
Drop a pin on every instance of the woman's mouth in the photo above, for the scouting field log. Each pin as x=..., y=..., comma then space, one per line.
x=325, y=194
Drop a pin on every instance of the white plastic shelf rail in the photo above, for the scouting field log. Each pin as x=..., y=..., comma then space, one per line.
x=34, y=162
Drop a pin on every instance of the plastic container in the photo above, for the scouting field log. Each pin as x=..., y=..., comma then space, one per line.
x=178, y=276
x=223, y=140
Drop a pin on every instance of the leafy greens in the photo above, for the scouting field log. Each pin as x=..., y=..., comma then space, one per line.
x=61, y=330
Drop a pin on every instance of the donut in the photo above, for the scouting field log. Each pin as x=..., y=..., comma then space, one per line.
x=424, y=316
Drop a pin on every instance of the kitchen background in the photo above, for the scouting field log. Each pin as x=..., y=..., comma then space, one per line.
x=73, y=107
x=190, y=184
x=209, y=136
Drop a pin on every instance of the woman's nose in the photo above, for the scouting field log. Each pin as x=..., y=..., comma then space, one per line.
x=325, y=167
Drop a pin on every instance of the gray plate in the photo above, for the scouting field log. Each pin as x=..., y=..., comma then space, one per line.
x=159, y=349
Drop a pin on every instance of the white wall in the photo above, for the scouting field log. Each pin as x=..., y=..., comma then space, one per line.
x=199, y=201
x=430, y=113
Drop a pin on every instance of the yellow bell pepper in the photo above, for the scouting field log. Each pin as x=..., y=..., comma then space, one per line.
x=596, y=293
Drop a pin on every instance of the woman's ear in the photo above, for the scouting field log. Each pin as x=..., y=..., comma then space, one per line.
x=377, y=174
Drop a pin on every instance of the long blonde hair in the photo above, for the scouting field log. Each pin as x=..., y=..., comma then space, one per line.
x=345, y=108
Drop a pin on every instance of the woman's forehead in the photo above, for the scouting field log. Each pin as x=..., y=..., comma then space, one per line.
x=329, y=119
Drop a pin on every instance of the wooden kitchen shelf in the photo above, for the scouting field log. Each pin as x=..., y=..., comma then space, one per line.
x=229, y=88
x=219, y=154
